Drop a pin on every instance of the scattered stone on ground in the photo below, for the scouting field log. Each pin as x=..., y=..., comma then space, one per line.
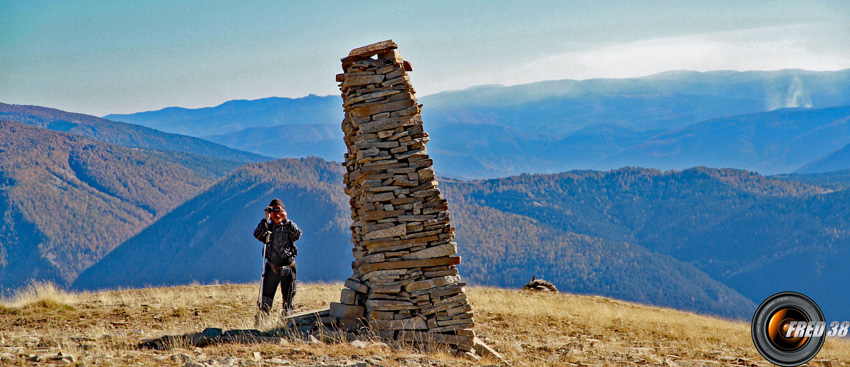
x=540, y=285
x=306, y=326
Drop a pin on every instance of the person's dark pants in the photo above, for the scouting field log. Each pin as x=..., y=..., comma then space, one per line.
x=287, y=287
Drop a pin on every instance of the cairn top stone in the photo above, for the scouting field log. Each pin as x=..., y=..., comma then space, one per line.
x=370, y=50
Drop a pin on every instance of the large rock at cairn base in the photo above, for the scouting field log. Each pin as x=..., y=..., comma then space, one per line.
x=405, y=277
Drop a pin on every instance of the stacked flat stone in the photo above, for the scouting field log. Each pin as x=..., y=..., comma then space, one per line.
x=405, y=284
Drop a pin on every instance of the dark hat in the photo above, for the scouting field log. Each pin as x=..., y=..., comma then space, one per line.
x=276, y=202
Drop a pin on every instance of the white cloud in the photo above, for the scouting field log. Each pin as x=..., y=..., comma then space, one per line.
x=774, y=48
x=700, y=53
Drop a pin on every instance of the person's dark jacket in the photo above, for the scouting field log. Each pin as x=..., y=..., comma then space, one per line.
x=281, y=250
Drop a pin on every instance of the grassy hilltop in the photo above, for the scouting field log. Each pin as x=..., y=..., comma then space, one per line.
x=529, y=329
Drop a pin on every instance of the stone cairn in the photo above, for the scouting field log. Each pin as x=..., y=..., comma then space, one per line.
x=405, y=285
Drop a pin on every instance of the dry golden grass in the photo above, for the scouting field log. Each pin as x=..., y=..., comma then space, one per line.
x=530, y=329
x=34, y=292
x=563, y=329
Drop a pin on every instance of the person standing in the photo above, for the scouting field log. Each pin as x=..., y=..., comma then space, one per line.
x=278, y=234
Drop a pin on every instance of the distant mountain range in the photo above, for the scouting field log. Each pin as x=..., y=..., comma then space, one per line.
x=119, y=133
x=670, y=100
x=773, y=142
x=233, y=116
x=291, y=140
x=495, y=131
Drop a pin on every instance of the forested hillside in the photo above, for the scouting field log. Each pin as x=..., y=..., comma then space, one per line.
x=506, y=249
x=209, y=238
x=66, y=200
x=740, y=228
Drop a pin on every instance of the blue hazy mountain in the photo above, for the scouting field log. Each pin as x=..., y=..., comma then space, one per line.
x=779, y=141
x=484, y=151
x=838, y=160
x=238, y=115
x=119, y=133
x=466, y=150
x=545, y=127
x=669, y=100
x=592, y=143
x=289, y=140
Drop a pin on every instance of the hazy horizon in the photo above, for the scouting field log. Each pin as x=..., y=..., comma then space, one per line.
x=102, y=58
x=456, y=90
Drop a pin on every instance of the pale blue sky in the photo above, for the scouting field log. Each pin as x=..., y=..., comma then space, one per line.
x=101, y=57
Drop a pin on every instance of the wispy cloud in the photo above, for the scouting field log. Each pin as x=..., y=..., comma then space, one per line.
x=771, y=48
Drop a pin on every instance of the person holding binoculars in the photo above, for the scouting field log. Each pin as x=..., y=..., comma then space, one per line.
x=278, y=235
